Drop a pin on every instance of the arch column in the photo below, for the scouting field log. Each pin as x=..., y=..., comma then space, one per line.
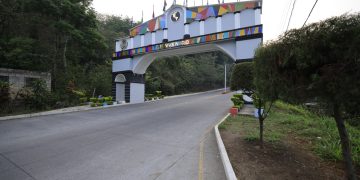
x=131, y=89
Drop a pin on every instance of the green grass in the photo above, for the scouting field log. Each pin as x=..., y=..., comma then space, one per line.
x=296, y=121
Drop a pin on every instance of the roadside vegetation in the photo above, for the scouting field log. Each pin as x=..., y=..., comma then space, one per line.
x=74, y=43
x=317, y=64
x=290, y=124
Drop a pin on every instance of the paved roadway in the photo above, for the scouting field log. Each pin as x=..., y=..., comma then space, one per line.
x=168, y=139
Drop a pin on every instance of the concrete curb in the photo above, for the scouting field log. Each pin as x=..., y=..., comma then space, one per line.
x=191, y=94
x=57, y=111
x=86, y=108
x=229, y=171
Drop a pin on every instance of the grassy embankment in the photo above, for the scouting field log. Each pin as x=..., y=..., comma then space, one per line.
x=289, y=121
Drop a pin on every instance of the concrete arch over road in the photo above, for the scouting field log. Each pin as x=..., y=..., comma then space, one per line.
x=232, y=28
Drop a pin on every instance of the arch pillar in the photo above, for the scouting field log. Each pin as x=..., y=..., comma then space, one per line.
x=131, y=89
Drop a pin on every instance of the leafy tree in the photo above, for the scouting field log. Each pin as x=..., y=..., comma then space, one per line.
x=191, y=73
x=317, y=63
x=243, y=78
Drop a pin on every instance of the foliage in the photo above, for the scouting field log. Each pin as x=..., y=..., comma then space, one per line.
x=287, y=120
x=242, y=77
x=321, y=63
x=237, y=100
x=4, y=94
x=191, y=73
x=83, y=100
x=93, y=100
x=38, y=96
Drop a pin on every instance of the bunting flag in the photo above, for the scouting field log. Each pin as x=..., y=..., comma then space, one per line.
x=204, y=12
x=192, y=14
x=153, y=15
x=142, y=16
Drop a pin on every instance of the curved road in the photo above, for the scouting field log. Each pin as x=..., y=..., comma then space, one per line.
x=167, y=139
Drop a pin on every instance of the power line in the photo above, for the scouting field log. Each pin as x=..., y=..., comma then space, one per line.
x=285, y=16
x=310, y=13
x=291, y=15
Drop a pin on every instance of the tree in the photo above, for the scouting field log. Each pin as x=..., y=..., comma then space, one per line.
x=317, y=63
x=243, y=78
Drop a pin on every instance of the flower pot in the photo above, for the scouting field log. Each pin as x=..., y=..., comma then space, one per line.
x=234, y=111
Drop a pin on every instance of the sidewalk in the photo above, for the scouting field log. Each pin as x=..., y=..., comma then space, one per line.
x=248, y=109
x=84, y=108
x=56, y=111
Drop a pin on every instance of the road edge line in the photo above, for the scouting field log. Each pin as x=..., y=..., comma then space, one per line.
x=229, y=171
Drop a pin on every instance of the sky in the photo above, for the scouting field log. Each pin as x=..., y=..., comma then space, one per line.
x=274, y=17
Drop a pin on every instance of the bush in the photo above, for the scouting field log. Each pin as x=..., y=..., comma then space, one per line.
x=242, y=77
x=4, y=94
x=38, y=96
x=83, y=100
x=93, y=100
x=239, y=96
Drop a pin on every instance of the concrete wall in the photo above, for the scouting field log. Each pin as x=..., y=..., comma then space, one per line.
x=17, y=78
x=120, y=92
x=227, y=22
x=148, y=39
x=176, y=29
x=246, y=49
x=247, y=18
x=194, y=29
x=210, y=25
x=137, y=92
x=159, y=36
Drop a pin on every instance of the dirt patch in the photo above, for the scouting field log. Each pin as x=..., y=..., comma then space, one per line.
x=288, y=159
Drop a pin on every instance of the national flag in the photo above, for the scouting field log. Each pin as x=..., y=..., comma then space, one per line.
x=153, y=15
x=164, y=8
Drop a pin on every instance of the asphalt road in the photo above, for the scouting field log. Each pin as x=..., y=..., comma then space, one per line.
x=167, y=139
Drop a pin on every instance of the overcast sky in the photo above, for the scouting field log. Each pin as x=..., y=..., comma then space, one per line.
x=274, y=18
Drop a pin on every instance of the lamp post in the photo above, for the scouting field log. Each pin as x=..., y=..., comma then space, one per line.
x=225, y=79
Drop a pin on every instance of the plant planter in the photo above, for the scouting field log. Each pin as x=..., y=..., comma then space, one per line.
x=234, y=111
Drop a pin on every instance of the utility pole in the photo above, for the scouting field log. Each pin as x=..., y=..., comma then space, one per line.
x=225, y=79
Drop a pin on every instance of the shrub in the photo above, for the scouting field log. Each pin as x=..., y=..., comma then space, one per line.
x=83, y=100
x=93, y=100
x=106, y=99
x=37, y=96
x=237, y=101
x=240, y=96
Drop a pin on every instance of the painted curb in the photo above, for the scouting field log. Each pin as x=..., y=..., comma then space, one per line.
x=229, y=171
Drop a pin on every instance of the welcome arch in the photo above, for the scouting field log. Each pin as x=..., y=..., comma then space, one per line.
x=232, y=28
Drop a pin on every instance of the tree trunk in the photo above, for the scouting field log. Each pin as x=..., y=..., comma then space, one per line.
x=64, y=53
x=261, y=122
x=345, y=143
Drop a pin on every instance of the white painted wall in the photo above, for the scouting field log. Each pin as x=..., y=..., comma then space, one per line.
x=120, y=92
x=121, y=65
x=246, y=49
x=137, y=92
